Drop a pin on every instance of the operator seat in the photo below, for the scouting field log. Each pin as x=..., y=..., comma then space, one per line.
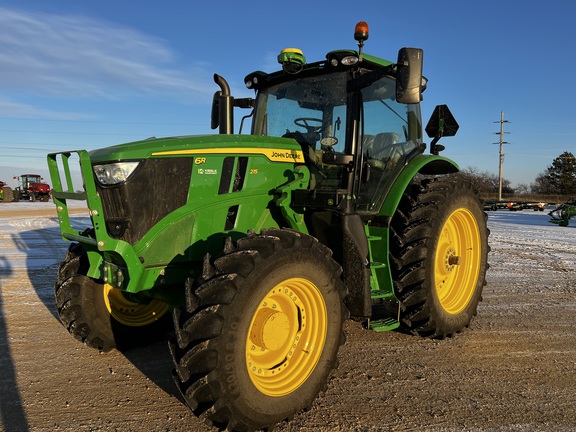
x=383, y=145
x=367, y=141
x=380, y=150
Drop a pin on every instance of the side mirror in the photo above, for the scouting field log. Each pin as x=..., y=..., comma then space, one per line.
x=215, y=114
x=441, y=124
x=409, y=75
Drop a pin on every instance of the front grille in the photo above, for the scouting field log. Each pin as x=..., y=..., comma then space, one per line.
x=154, y=190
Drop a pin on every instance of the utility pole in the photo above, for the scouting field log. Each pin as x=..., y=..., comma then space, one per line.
x=502, y=142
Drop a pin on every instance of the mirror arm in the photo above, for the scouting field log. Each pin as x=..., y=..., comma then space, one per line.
x=435, y=148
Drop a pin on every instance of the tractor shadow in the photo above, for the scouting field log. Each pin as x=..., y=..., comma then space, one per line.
x=45, y=248
x=12, y=414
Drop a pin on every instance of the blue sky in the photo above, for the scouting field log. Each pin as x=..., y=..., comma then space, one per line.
x=77, y=74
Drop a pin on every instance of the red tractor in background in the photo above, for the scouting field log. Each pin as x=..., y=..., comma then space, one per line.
x=31, y=187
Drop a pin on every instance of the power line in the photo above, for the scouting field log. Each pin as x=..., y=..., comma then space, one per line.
x=98, y=121
x=67, y=133
x=26, y=157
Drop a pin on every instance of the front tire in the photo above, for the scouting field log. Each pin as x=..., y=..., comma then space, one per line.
x=439, y=249
x=101, y=316
x=8, y=194
x=260, y=336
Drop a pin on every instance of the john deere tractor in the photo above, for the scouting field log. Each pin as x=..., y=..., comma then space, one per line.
x=256, y=248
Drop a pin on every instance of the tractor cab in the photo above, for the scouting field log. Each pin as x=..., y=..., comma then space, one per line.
x=28, y=179
x=356, y=117
x=354, y=133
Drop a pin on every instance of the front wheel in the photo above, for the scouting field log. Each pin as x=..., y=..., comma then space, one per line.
x=8, y=194
x=439, y=249
x=259, y=338
x=101, y=316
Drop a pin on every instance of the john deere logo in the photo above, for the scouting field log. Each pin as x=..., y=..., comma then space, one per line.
x=285, y=155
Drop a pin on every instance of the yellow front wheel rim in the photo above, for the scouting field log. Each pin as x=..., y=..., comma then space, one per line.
x=130, y=313
x=286, y=337
x=458, y=261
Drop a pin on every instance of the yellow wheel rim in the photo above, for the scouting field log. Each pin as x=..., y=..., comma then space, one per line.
x=458, y=261
x=130, y=313
x=286, y=337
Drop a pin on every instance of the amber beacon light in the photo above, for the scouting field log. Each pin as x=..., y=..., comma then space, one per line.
x=361, y=32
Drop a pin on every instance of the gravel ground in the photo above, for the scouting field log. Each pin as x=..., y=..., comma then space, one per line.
x=514, y=369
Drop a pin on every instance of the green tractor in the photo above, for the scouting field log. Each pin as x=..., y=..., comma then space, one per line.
x=562, y=214
x=254, y=249
x=6, y=192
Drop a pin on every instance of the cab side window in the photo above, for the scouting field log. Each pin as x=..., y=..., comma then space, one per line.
x=388, y=137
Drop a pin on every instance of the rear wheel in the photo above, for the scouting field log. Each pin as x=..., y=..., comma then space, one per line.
x=101, y=316
x=439, y=248
x=259, y=337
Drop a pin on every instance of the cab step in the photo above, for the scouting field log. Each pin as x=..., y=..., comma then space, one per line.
x=384, y=324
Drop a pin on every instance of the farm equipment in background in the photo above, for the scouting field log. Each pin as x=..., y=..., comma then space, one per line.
x=562, y=214
x=6, y=193
x=32, y=188
x=493, y=205
x=536, y=206
x=256, y=248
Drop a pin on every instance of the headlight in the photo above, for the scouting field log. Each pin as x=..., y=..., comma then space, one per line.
x=114, y=173
x=349, y=60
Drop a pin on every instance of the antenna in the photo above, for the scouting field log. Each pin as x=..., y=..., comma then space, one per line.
x=501, y=142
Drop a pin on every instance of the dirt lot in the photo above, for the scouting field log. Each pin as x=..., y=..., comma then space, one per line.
x=514, y=369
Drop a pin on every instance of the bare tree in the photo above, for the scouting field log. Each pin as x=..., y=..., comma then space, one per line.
x=522, y=189
x=484, y=181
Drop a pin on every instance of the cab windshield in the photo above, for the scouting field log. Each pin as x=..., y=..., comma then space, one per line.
x=311, y=110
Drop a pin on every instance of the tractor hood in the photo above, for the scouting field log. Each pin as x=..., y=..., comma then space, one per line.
x=275, y=149
x=39, y=187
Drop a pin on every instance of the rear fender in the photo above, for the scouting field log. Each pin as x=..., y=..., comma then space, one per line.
x=421, y=164
x=377, y=231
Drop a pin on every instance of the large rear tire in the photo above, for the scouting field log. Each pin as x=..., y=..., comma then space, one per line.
x=101, y=316
x=439, y=249
x=260, y=336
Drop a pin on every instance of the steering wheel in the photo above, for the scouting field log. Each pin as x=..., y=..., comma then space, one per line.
x=305, y=123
